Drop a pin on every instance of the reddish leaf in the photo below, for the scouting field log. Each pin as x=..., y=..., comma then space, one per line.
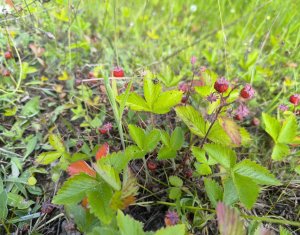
x=102, y=151
x=80, y=167
x=232, y=130
x=10, y=3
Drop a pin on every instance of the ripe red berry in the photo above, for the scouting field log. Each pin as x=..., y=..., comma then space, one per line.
x=118, y=72
x=221, y=85
x=184, y=99
x=152, y=166
x=238, y=117
x=255, y=122
x=295, y=99
x=6, y=73
x=188, y=173
x=247, y=92
x=105, y=128
x=8, y=55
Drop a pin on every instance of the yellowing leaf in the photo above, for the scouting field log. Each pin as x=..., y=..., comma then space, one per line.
x=31, y=181
x=43, y=78
x=152, y=34
x=64, y=76
x=232, y=130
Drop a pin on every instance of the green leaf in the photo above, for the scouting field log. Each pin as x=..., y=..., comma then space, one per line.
x=256, y=172
x=214, y=191
x=3, y=205
x=84, y=220
x=221, y=154
x=165, y=138
x=283, y=231
x=247, y=190
x=30, y=145
x=134, y=152
x=280, y=151
x=56, y=143
x=99, y=201
x=288, y=130
x=118, y=160
x=203, y=168
x=297, y=169
x=218, y=135
x=166, y=101
x=108, y=174
x=151, y=140
x=17, y=201
x=199, y=154
x=272, y=126
x=103, y=231
x=48, y=157
x=192, y=119
x=230, y=195
x=166, y=153
x=175, y=181
x=32, y=107
x=135, y=102
x=178, y=229
x=137, y=134
x=177, y=138
x=129, y=226
x=175, y=193
x=151, y=91
x=75, y=189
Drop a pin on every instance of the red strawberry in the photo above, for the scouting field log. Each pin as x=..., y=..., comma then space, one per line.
x=151, y=165
x=184, y=99
x=247, y=92
x=238, y=117
x=91, y=75
x=8, y=55
x=221, y=85
x=118, y=72
x=295, y=99
x=105, y=128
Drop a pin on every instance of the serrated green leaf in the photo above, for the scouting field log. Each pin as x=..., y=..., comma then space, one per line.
x=192, y=119
x=118, y=160
x=213, y=190
x=75, y=189
x=174, y=193
x=247, y=190
x=288, y=130
x=32, y=107
x=129, y=226
x=175, y=181
x=203, y=168
x=272, y=126
x=218, y=135
x=48, y=157
x=230, y=195
x=137, y=134
x=166, y=153
x=177, y=138
x=108, y=174
x=221, y=154
x=135, y=102
x=31, y=145
x=151, y=92
x=256, y=172
x=99, y=201
x=280, y=151
x=178, y=229
x=297, y=169
x=56, y=143
x=134, y=152
x=199, y=154
x=166, y=101
x=151, y=140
